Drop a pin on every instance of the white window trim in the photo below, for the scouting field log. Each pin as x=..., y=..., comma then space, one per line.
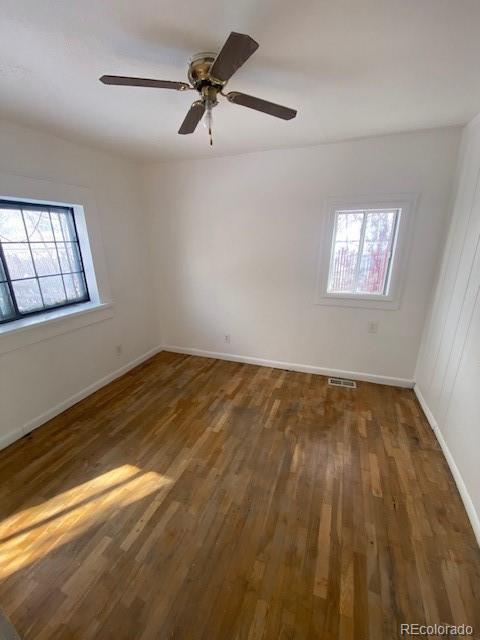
x=43, y=326
x=407, y=204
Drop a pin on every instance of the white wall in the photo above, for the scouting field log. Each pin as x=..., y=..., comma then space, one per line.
x=448, y=372
x=36, y=379
x=237, y=245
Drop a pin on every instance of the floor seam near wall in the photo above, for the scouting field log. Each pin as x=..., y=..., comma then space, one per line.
x=473, y=516
x=291, y=366
x=9, y=438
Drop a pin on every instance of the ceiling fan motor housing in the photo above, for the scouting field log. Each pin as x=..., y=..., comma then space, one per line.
x=199, y=76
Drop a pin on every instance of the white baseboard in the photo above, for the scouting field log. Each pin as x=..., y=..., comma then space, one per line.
x=36, y=422
x=303, y=368
x=457, y=476
x=8, y=438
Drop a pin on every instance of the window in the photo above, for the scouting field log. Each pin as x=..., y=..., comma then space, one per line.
x=41, y=265
x=362, y=252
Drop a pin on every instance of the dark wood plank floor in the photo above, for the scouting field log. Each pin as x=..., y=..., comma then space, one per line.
x=200, y=499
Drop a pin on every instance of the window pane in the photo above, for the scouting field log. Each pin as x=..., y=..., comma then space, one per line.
x=74, y=256
x=373, y=268
x=45, y=257
x=75, y=286
x=3, y=277
x=69, y=255
x=375, y=259
x=63, y=256
x=12, y=228
x=6, y=307
x=53, y=291
x=63, y=227
x=379, y=226
x=27, y=294
x=56, y=226
x=349, y=226
x=19, y=260
x=38, y=225
x=343, y=267
x=348, y=231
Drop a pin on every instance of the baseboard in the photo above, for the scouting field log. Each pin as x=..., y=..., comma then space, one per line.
x=36, y=422
x=457, y=476
x=303, y=368
x=7, y=439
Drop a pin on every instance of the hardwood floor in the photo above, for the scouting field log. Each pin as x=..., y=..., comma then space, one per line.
x=201, y=499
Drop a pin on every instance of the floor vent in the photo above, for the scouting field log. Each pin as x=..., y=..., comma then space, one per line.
x=341, y=382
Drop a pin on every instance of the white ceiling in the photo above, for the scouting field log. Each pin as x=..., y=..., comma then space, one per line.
x=351, y=68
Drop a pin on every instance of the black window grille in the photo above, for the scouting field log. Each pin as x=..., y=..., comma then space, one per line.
x=41, y=266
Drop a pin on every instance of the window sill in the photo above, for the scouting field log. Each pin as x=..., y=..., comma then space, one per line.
x=43, y=326
x=363, y=302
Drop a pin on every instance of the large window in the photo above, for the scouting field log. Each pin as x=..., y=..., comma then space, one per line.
x=362, y=252
x=41, y=264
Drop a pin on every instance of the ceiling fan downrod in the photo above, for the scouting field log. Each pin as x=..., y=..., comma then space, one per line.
x=209, y=96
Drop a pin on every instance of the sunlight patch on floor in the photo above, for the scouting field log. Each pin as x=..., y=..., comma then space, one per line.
x=32, y=533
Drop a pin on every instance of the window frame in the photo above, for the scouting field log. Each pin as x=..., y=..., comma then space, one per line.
x=29, y=205
x=83, y=199
x=405, y=205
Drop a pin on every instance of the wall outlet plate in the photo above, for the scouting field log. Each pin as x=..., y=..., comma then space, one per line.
x=372, y=326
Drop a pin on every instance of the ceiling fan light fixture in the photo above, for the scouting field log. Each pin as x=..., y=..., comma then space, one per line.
x=209, y=95
x=208, y=121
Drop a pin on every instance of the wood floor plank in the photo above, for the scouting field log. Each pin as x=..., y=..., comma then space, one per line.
x=211, y=500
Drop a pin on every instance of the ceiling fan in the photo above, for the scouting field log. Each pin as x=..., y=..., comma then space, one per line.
x=208, y=74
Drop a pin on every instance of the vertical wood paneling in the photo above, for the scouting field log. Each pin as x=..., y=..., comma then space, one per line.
x=453, y=398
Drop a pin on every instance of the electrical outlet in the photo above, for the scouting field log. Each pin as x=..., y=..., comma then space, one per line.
x=372, y=327
x=226, y=338
x=119, y=350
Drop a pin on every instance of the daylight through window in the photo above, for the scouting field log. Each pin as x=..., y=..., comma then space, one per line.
x=362, y=252
x=41, y=264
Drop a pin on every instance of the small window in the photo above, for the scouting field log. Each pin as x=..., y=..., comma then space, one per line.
x=362, y=252
x=41, y=265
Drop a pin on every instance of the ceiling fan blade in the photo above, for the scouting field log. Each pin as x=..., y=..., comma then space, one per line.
x=144, y=82
x=236, y=51
x=192, y=118
x=261, y=105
